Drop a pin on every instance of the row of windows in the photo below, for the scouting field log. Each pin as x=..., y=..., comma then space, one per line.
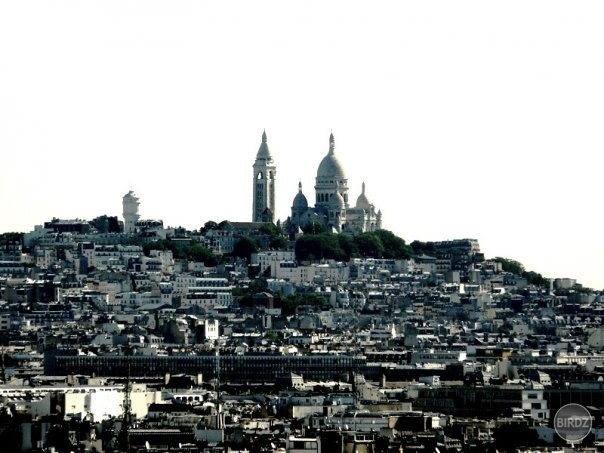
x=233, y=368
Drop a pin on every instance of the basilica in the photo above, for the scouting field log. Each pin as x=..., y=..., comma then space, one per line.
x=332, y=208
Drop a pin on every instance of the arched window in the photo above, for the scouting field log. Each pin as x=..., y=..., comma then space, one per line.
x=259, y=175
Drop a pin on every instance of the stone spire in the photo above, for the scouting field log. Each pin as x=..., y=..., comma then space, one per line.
x=332, y=143
x=263, y=184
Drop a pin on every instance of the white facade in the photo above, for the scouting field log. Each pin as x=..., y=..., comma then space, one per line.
x=432, y=356
x=134, y=299
x=207, y=300
x=100, y=402
x=266, y=259
x=332, y=208
x=182, y=283
x=303, y=445
x=211, y=329
x=292, y=272
x=534, y=404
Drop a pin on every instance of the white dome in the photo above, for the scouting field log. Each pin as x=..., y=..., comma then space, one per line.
x=330, y=166
x=338, y=199
x=363, y=201
x=300, y=202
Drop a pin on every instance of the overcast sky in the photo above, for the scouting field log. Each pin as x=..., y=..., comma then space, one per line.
x=465, y=119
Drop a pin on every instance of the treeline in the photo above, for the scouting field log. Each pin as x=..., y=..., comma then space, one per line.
x=507, y=265
x=343, y=247
x=183, y=250
x=288, y=304
x=517, y=268
x=317, y=244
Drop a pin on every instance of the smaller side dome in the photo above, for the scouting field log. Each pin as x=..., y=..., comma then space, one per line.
x=300, y=202
x=338, y=199
x=363, y=201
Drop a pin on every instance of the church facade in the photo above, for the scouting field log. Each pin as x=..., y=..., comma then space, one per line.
x=331, y=205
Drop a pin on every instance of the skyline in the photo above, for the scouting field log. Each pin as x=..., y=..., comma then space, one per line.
x=466, y=120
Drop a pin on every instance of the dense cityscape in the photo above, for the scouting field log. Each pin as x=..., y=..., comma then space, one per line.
x=322, y=332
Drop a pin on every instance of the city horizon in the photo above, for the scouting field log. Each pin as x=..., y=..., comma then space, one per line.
x=457, y=126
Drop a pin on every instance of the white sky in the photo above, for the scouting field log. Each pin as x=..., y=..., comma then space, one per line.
x=471, y=119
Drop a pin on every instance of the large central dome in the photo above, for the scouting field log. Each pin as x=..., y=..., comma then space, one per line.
x=330, y=166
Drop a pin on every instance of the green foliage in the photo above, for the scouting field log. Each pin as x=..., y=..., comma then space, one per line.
x=394, y=246
x=272, y=336
x=314, y=227
x=225, y=225
x=199, y=253
x=508, y=265
x=244, y=247
x=290, y=303
x=369, y=245
x=319, y=246
x=270, y=229
x=192, y=252
x=513, y=266
x=342, y=247
x=533, y=278
x=165, y=244
x=423, y=248
x=278, y=243
x=12, y=237
x=209, y=225
x=276, y=238
x=258, y=285
x=348, y=245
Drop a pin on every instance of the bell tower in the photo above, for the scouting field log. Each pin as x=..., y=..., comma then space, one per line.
x=265, y=171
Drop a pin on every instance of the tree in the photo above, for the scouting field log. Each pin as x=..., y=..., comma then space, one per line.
x=12, y=236
x=270, y=229
x=165, y=244
x=508, y=265
x=369, y=245
x=394, y=246
x=244, y=247
x=209, y=225
x=276, y=239
x=258, y=285
x=535, y=278
x=291, y=302
x=199, y=253
x=348, y=246
x=314, y=227
x=319, y=246
x=423, y=248
x=308, y=248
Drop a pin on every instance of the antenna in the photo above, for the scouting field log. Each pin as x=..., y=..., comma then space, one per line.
x=124, y=434
x=218, y=371
x=3, y=370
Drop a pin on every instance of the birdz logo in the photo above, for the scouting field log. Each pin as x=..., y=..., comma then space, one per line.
x=572, y=422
